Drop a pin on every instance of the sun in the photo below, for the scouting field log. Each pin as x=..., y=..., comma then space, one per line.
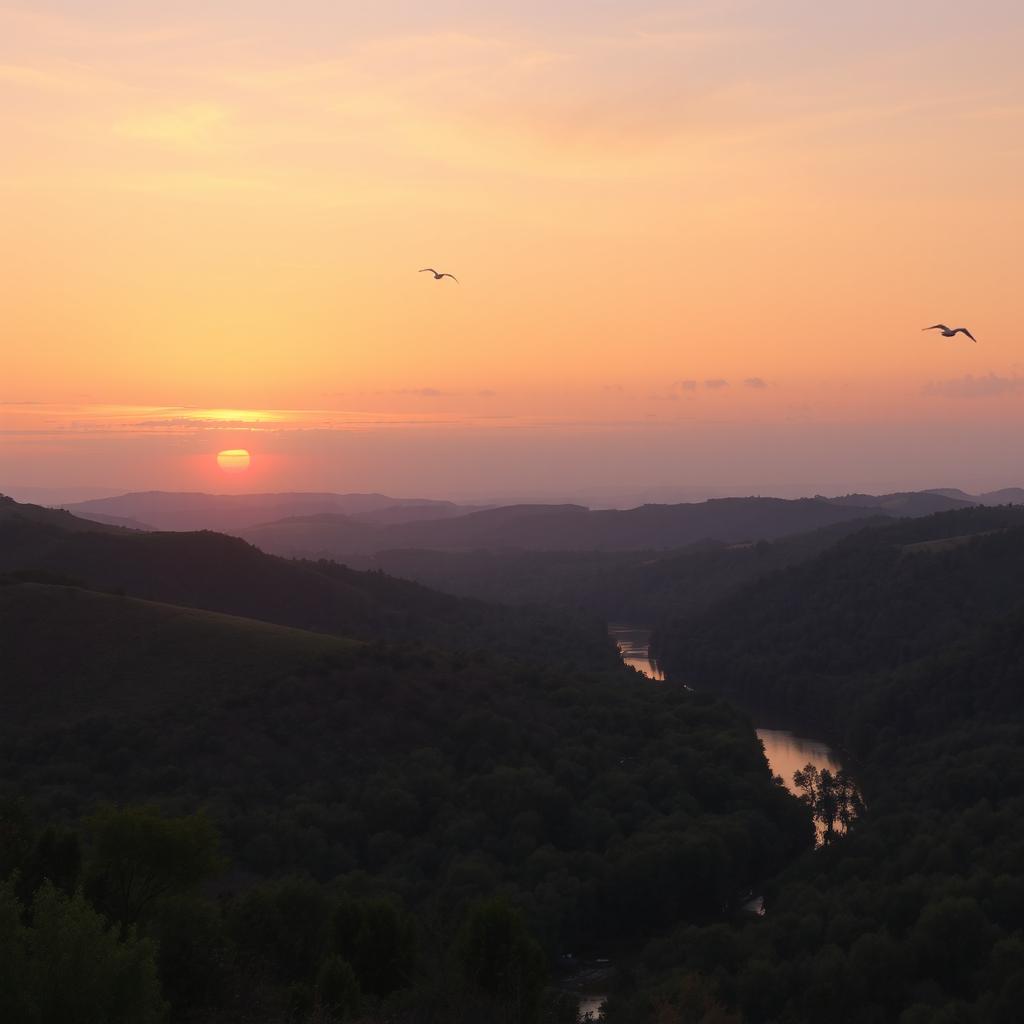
x=234, y=460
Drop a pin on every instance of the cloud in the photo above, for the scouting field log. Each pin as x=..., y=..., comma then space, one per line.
x=424, y=392
x=716, y=384
x=486, y=393
x=989, y=386
x=755, y=382
x=685, y=385
x=203, y=423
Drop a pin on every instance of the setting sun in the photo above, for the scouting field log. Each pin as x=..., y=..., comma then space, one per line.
x=234, y=460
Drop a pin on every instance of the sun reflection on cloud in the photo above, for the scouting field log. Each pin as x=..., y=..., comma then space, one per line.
x=57, y=419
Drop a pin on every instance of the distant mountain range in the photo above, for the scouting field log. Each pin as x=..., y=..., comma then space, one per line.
x=1006, y=496
x=229, y=513
x=351, y=526
x=575, y=528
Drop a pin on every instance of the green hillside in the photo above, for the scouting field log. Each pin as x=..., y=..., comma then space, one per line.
x=906, y=645
x=68, y=652
x=634, y=586
x=880, y=599
x=224, y=574
x=607, y=807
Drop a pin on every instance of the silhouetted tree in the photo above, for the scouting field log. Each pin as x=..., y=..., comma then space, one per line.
x=832, y=797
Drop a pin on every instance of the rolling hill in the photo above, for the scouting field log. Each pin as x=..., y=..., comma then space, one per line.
x=218, y=573
x=14, y=512
x=559, y=528
x=229, y=513
x=435, y=777
x=806, y=637
x=70, y=652
x=631, y=586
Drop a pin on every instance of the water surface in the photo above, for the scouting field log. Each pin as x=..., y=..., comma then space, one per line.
x=787, y=752
x=634, y=644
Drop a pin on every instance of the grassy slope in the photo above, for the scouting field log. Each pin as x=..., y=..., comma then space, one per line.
x=225, y=574
x=85, y=652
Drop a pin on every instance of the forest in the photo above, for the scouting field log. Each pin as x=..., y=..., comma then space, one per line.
x=240, y=820
x=406, y=813
x=906, y=646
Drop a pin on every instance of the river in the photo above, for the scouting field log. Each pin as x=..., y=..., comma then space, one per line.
x=787, y=752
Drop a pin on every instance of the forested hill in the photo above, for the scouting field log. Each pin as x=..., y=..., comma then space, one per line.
x=12, y=511
x=606, y=808
x=632, y=586
x=906, y=644
x=561, y=527
x=225, y=574
x=877, y=600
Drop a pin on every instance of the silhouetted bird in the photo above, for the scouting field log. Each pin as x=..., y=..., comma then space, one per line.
x=437, y=276
x=950, y=332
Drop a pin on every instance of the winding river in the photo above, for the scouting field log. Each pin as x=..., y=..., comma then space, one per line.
x=787, y=752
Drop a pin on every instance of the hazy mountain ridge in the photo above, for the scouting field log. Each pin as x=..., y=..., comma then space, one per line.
x=225, y=574
x=563, y=528
x=172, y=510
x=348, y=526
x=60, y=519
x=632, y=586
x=1004, y=496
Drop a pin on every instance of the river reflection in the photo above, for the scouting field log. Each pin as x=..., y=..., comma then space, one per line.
x=634, y=644
x=788, y=754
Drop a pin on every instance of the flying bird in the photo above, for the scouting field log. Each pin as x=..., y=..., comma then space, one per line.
x=437, y=275
x=950, y=332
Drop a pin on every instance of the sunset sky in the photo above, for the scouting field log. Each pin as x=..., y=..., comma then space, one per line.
x=696, y=241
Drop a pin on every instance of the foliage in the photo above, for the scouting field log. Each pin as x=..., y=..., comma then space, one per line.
x=603, y=806
x=502, y=964
x=832, y=797
x=67, y=965
x=907, y=645
x=140, y=856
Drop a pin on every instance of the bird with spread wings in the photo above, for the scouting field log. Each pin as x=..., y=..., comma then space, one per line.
x=950, y=332
x=437, y=274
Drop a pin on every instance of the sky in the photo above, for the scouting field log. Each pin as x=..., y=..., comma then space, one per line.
x=696, y=243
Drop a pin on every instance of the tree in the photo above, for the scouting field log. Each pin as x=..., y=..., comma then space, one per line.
x=71, y=966
x=140, y=856
x=501, y=961
x=14, y=993
x=337, y=988
x=15, y=836
x=378, y=941
x=832, y=797
x=286, y=926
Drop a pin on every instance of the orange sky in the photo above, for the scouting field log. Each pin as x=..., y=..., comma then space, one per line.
x=224, y=206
